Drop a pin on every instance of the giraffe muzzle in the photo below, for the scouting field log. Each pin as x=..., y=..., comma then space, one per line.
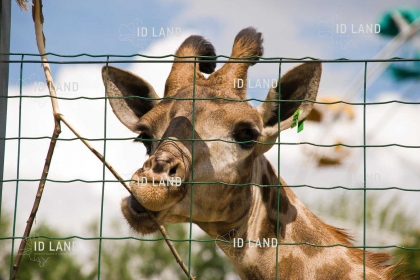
x=158, y=184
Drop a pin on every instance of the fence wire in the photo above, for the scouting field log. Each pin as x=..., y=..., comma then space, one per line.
x=117, y=59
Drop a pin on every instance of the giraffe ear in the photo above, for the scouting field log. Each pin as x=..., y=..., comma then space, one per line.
x=300, y=83
x=126, y=92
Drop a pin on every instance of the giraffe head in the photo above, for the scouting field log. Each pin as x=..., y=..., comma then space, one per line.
x=224, y=127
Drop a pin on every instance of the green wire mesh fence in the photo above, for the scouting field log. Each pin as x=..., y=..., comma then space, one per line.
x=118, y=59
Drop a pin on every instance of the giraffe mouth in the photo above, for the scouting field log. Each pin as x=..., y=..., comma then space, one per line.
x=150, y=197
x=137, y=216
x=136, y=207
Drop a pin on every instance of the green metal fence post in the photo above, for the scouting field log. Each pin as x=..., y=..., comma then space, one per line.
x=17, y=168
x=5, y=16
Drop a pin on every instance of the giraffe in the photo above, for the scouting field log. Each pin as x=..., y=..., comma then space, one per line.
x=236, y=158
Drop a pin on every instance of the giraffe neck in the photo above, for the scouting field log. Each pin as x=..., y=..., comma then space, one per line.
x=296, y=224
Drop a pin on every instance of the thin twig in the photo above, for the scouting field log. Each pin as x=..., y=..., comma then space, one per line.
x=35, y=207
x=170, y=245
x=58, y=117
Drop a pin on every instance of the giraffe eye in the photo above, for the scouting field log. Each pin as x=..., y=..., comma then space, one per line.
x=247, y=136
x=145, y=139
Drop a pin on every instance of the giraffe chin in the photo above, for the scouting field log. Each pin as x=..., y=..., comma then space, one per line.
x=157, y=198
x=136, y=216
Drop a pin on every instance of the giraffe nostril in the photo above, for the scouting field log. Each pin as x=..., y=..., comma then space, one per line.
x=172, y=172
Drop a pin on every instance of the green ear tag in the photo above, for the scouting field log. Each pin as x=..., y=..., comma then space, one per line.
x=295, y=118
x=300, y=125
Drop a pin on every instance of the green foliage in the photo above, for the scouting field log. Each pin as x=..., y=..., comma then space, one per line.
x=153, y=259
x=33, y=266
x=120, y=259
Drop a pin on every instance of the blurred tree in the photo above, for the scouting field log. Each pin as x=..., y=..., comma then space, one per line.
x=120, y=259
x=150, y=259
x=45, y=267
